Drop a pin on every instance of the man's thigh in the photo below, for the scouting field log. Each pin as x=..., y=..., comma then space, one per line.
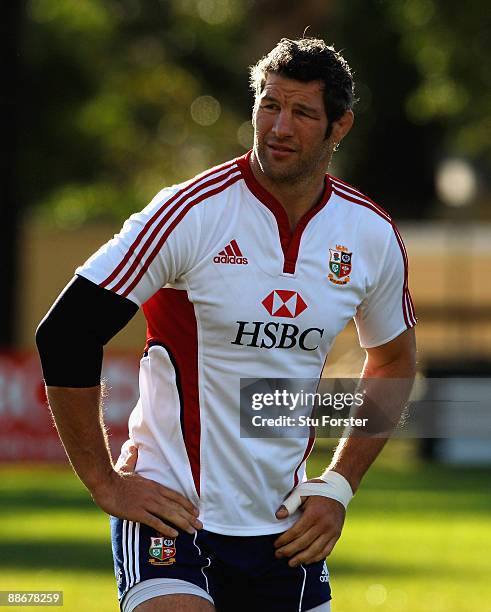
x=176, y=603
x=190, y=603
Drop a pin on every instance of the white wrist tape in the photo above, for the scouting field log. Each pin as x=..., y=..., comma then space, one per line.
x=340, y=487
x=334, y=486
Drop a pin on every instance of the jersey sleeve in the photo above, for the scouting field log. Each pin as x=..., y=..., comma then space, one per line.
x=154, y=247
x=387, y=309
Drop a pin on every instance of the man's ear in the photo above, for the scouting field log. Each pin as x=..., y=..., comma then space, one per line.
x=341, y=127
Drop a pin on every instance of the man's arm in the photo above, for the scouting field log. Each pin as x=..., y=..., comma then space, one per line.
x=314, y=535
x=396, y=361
x=70, y=341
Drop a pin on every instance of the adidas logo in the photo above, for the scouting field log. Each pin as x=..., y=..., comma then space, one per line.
x=231, y=254
x=324, y=577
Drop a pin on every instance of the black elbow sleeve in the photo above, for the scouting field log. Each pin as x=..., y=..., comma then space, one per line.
x=71, y=337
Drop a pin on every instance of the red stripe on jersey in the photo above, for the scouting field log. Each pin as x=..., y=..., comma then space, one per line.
x=170, y=211
x=358, y=193
x=236, y=249
x=404, y=288
x=171, y=227
x=364, y=203
x=411, y=304
x=308, y=450
x=156, y=215
x=171, y=321
x=407, y=303
x=229, y=251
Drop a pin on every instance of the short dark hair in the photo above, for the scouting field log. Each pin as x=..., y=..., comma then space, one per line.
x=310, y=59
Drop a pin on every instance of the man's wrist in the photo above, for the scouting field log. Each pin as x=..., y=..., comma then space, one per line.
x=339, y=486
x=102, y=483
x=350, y=471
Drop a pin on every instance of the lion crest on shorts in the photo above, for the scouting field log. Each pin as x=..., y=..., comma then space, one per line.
x=162, y=551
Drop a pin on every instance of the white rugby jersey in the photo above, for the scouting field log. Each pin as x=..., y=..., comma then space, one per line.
x=229, y=292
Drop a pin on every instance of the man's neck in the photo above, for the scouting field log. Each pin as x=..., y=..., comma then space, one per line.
x=296, y=197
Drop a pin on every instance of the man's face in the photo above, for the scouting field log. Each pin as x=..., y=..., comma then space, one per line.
x=290, y=124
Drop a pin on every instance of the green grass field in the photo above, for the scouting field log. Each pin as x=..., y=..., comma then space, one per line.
x=417, y=539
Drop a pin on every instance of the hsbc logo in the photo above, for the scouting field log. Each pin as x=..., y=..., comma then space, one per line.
x=283, y=303
x=260, y=334
x=273, y=334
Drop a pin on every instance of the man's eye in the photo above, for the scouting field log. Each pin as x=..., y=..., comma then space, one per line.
x=270, y=106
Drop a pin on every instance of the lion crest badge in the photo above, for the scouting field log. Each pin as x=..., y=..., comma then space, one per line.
x=340, y=265
x=162, y=551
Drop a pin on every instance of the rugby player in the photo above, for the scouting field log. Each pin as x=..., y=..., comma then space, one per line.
x=250, y=270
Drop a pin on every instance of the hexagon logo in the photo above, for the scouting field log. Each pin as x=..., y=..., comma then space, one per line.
x=284, y=303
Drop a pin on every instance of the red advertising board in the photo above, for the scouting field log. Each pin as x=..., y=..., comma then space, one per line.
x=27, y=432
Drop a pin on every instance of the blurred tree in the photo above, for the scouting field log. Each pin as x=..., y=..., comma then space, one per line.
x=9, y=36
x=449, y=43
x=130, y=97
x=394, y=157
x=126, y=96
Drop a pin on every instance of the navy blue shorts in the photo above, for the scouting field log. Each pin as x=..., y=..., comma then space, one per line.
x=229, y=568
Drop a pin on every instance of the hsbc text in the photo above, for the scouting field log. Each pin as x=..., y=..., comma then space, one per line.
x=277, y=335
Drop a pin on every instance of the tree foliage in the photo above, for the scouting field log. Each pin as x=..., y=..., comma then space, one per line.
x=123, y=97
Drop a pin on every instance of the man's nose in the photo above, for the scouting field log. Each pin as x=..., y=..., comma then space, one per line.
x=283, y=125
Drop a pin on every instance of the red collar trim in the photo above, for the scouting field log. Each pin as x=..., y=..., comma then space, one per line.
x=290, y=242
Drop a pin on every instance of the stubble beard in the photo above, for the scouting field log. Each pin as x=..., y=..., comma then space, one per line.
x=295, y=174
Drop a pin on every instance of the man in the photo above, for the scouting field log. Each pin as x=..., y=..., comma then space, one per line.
x=249, y=270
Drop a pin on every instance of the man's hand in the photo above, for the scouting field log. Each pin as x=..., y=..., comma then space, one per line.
x=117, y=490
x=314, y=535
x=130, y=496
